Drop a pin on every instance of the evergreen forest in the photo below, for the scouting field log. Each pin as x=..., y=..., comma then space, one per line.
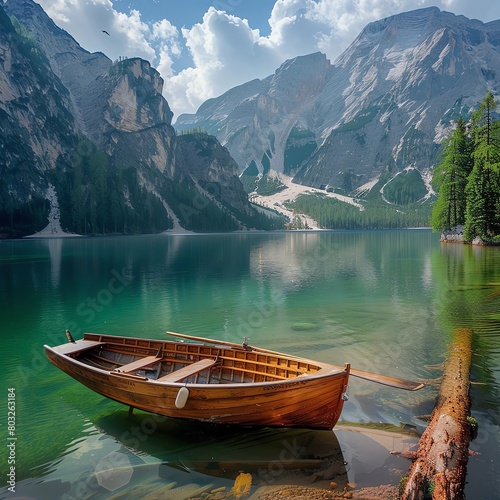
x=331, y=213
x=467, y=178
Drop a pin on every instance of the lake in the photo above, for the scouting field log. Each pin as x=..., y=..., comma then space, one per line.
x=385, y=301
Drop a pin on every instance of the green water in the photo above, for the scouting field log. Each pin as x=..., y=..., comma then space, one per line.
x=386, y=302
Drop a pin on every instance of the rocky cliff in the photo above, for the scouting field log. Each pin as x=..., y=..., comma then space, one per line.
x=36, y=129
x=98, y=133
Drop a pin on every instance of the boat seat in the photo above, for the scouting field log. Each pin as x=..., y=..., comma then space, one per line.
x=78, y=346
x=138, y=364
x=186, y=371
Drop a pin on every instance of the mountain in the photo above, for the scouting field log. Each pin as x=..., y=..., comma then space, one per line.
x=370, y=124
x=92, y=140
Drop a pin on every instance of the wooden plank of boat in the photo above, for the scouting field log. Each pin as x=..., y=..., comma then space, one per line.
x=187, y=371
x=78, y=346
x=138, y=364
x=398, y=383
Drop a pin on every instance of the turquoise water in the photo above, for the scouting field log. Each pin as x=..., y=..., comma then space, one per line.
x=386, y=302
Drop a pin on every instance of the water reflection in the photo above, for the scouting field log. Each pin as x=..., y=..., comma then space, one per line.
x=468, y=296
x=223, y=451
x=140, y=454
x=300, y=260
x=133, y=456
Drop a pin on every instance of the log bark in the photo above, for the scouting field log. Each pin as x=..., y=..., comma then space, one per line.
x=440, y=468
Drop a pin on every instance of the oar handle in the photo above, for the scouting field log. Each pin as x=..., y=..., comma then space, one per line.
x=397, y=383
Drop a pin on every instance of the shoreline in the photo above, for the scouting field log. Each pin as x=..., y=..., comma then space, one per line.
x=456, y=235
x=63, y=235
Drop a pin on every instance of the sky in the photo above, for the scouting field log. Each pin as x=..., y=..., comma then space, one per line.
x=204, y=47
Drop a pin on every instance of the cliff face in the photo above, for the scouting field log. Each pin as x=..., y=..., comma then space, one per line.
x=134, y=125
x=101, y=134
x=383, y=106
x=202, y=157
x=254, y=120
x=36, y=128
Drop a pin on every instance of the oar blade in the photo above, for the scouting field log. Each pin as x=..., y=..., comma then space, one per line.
x=398, y=383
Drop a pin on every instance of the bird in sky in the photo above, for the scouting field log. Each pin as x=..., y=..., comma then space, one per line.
x=104, y=31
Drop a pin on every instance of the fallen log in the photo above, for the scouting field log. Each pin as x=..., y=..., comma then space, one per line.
x=440, y=467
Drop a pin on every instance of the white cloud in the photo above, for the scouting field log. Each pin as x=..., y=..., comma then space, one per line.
x=129, y=36
x=225, y=51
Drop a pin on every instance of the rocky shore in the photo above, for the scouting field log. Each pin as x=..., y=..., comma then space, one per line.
x=456, y=235
x=453, y=235
x=386, y=492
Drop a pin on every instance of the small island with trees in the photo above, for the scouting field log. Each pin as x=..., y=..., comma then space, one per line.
x=468, y=180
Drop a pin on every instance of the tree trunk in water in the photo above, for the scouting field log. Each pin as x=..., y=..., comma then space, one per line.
x=440, y=467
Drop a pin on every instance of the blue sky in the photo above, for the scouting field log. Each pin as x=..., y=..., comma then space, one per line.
x=204, y=47
x=188, y=12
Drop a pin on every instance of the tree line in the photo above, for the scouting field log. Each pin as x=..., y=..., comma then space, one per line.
x=97, y=199
x=330, y=213
x=468, y=177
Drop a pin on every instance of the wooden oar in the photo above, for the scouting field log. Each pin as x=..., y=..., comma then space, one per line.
x=398, y=383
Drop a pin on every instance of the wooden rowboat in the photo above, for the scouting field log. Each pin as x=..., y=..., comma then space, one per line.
x=211, y=381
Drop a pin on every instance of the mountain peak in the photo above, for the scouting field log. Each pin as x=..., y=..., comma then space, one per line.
x=300, y=78
x=383, y=105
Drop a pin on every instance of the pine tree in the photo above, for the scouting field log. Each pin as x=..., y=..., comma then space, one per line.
x=450, y=178
x=483, y=187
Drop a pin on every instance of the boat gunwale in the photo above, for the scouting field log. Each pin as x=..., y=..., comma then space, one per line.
x=326, y=371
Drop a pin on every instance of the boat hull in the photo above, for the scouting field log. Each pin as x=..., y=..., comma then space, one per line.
x=310, y=401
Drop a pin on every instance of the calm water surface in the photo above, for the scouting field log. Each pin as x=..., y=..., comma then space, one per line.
x=386, y=302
